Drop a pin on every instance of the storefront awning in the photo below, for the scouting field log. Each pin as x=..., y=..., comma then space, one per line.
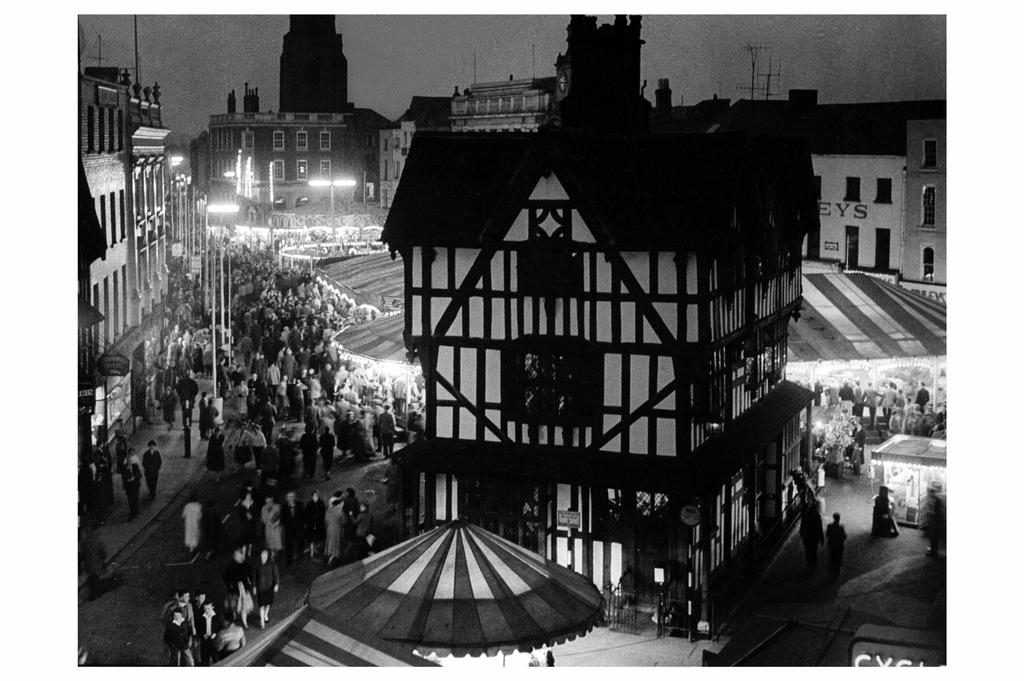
x=858, y=317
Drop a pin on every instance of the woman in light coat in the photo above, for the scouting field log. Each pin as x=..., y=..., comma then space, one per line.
x=193, y=516
x=272, y=530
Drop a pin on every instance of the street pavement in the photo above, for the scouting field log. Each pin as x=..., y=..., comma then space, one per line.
x=123, y=626
x=886, y=581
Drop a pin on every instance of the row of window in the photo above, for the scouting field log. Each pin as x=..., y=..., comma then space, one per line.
x=882, y=252
x=101, y=135
x=223, y=139
x=883, y=194
x=116, y=208
x=883, y=189
x=115, y=312
x=387, y=169
x=302, y=169
x=404, y=139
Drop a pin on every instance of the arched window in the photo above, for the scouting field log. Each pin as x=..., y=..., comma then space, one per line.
x=928, y=263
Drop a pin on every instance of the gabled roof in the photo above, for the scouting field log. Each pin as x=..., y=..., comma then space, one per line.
x=872, y=128
x=429, y=113
x=643, y=192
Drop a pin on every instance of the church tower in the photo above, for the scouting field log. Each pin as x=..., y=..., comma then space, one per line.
x=314, y=71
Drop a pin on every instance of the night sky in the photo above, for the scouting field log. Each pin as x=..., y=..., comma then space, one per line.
x=198, y=59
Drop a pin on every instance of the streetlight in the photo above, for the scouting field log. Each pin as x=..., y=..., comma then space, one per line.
x=346, y=182
x=218, y=208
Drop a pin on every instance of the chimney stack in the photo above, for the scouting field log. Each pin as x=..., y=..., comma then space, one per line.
x=663, y=98
x=231, y=102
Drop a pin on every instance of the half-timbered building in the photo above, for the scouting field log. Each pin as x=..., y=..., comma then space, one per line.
x=602, y=325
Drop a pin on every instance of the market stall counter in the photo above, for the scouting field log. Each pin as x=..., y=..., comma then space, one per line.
x=909, y=466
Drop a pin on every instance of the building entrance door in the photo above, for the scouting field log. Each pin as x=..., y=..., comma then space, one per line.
x=882, y=238
x=852, y=247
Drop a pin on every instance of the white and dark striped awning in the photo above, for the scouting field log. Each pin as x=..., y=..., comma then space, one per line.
x=310, y=638
x=459, y=590
x=858, y=317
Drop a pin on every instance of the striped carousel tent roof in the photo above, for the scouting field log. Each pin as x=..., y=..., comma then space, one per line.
x=311, y=638
x=379, y=339
x=858, y=317
x=459, y=590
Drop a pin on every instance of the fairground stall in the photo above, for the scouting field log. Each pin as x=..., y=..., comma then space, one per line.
x=858, y=327
x=908, y=465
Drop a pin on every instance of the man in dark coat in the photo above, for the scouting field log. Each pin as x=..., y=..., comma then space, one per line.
x=387, y=432
x=811, y=535
x=132, y=482
x=327, y=444
x=187, y=390
x=308, y=444
x=923, y=397
x=835, y=539
x=151, y=463
x=205, y=417
x=293, y=520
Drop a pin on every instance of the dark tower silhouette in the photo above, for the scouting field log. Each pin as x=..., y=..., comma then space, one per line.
x=314, y=71
x=599, y=76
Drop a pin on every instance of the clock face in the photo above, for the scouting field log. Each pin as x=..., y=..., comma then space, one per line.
x=563, y=83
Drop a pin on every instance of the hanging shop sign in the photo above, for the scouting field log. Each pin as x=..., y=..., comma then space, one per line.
x=568, y=519
x=690, y=515
x=831, y=245
x=86, y=399
x=113, y=365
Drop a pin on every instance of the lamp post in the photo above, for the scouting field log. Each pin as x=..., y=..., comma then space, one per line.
x=223, y=209
x=346, y=182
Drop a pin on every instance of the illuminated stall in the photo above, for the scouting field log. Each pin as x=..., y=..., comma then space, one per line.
x=908, y=466
x=860, y=328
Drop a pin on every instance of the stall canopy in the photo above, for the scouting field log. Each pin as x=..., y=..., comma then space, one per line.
x=459, y=590
x=380, y=339
x=859, y=317
x=309, y=638
x=911, y=450
x=369, y=278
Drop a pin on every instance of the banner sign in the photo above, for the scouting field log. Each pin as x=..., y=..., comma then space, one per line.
x=568, y=519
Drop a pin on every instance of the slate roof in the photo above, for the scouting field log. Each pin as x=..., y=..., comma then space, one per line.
x=872, y=128
x=429, y=113
x=658, y=192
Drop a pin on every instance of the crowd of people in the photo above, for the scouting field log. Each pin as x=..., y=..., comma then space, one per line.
x=888, y=406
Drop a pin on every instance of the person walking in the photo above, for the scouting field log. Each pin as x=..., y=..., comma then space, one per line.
x=308, y=445
x=327, y=443
x=835, y=541
x=315, y=526
x=387, y=432
x=208, y=624
x=132, y=482
x=363, y=529
x=334, y=523
x=168, y=403
x=883, y=524
x=871, y=404
x=267, y=583
x=215, y=453
x=888, y=401
x=922, y=398
x=151, y=462
x=180, y=603
x=270, y=515
x=176, y=640
x=933, y=520
x=293, y=521
x=811, y=535
x=239, y=582
x=192, y=514
x=205, y=417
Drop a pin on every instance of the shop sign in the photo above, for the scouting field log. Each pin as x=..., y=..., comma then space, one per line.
x=690, y=515
x=858, y=211
x=831, y=245
x=882, y=646
x=113, y=365
x=86, y=399
x=568, y=519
